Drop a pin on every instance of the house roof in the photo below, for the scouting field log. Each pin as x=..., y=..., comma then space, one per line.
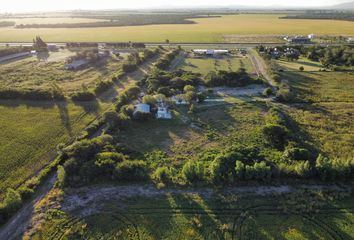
x=142, y=107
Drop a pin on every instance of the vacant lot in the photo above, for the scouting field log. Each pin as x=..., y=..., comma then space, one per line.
x=205, y=65
x=30, y=73
x=205, y=30
x=309, y=66
x=200, y=215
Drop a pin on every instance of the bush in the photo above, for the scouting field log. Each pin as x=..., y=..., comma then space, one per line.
x=131, y=171
x=275, y=134
x=12, y=201
x=83, y=96
x=267, y=92
x=102, y=86
x=193, y=171
x=297, y=154
x=162, y=174
x=301, y=68
x=220, y=172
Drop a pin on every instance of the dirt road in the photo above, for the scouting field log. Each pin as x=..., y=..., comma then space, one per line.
x=260, y=67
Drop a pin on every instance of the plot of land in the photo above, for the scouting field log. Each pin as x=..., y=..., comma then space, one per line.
x=205, y=30
x=205, y=65
x=51, y=20
x=309, y=66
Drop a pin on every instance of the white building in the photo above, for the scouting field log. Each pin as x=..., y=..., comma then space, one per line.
x=163, y=113
x=179, y=100
x=142, y=107
x=350, y=40
x=210, y=52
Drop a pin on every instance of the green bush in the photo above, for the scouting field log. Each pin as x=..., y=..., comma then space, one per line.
x=12, y=201
x=193, y=171
x=162, y=174
x=83, y=96
x=275, y=134
x=295, y=153
x=131, y=171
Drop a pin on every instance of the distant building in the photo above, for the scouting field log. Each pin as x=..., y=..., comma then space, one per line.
x=210, y=52
x=15, y=56
x=142, y=108
x=311, y=36
x=299, y=40
x=76, y=64
x=52, y=47
x=350, y=40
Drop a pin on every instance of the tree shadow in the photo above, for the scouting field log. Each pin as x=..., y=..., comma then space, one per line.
x=64, y=116
x=92, y=107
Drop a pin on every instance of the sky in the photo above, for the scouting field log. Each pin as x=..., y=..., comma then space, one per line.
x=52, y=5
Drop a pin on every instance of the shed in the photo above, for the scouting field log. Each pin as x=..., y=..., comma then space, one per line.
x=142, y=107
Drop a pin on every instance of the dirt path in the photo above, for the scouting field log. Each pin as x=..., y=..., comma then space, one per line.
x=89, y=200
x=260, y=67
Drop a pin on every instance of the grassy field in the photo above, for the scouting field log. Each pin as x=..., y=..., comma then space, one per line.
x=30, y=73
x=205, y=65
x=205, y=30
x=309, y=66
x=196, y=216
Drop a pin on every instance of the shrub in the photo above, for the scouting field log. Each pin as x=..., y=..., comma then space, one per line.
x=131, y=171
x=267, y=92
x=220, y=171
x=12, y=201
x=102, y=86
x=240, y=170
x=301, y=68
x=303, y=169
x=275, y=134
x=83, y=96
x=25, y=192
x=193, y=171
x=162, y=174
x=297, y=154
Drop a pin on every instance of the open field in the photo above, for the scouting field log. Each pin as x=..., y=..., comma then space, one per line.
x=205, y=65
x=196, y=215
x=205, y=30
x=30, y=73
x=50, y=20
x=309, y=66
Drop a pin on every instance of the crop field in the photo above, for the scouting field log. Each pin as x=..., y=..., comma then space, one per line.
x=205, y=65
x=196, y=216
x=205, y=30
x=30, y=133
x=30, y=73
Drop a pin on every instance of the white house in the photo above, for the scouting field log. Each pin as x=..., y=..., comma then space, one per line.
x=142, y=107
x=210, y=52
x=179, y=100
x=350, y=40
x=163, y=113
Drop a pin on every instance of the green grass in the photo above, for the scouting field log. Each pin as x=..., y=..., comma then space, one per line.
x=194, y=216
x=205, y=30
x=205, y=65
x=308, y=65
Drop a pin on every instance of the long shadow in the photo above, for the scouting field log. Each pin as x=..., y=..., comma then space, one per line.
x=64, y=116
x=89, y=106
x=35, y=104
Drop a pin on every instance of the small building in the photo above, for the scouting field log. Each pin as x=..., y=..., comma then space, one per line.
x=163, y=112
x=210, y=52
x=142, y=108
x=52, y=47
x=350, y=40
x=311, y=36
x=179, y=100
x=299, y=40
x=76, y=64
x=15, y=56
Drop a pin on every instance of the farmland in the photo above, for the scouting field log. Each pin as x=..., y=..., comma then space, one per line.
x=50, y=20
x=205, y=30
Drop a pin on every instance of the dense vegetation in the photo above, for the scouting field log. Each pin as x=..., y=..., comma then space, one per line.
x=7, y=24
x=239, y=78
x=123, y=20
x=330, y=15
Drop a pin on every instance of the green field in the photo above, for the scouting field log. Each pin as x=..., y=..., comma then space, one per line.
x=51, y=20
x=205, y=30
x=205, y=65
x=197, y=216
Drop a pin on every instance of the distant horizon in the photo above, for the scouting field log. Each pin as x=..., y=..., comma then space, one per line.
x=23, y=6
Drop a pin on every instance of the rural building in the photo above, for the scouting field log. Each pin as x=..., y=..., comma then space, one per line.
x=142, y=108
x=15, y=56
x=163, y=113
x=350, y=40
x=76, y=64
x=52, y=47
x=179, y=100
x=210, y=52
x=299, y=40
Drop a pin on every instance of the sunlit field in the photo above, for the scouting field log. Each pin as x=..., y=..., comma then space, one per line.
x=51, y=20
x=205, y=30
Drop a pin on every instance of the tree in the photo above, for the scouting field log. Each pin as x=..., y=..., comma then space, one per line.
x=275, y=134
x=240, y=170
x=148, y=99
x=12, y=201
x=301, y=68
x=267, y=92
x=193, y=171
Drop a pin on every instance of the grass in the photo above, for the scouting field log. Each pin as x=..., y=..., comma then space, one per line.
x=30, y=73
x=205, y=30
x=205, y=65
x=194, y=216
x=51, y=20
x=309, y=66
